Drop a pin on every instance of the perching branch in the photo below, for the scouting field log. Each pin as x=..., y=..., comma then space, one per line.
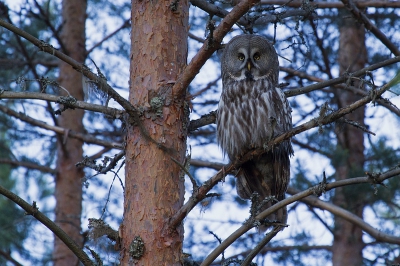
x=201, y=193
x=34, y=211
x=301, y=195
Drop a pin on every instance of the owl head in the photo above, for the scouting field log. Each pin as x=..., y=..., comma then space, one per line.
x=250, y=57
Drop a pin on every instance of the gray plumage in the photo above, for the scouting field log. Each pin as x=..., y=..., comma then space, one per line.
x=251, y=111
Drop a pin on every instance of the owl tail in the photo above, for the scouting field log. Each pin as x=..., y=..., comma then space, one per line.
x=268, y=175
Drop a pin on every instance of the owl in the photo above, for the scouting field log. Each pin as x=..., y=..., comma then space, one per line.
x=252, y=110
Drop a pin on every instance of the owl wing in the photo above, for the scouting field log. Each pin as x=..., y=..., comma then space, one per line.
x=269, y=174
x=268, y=177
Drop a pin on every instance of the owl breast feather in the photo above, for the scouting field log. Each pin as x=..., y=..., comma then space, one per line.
x=250, y=113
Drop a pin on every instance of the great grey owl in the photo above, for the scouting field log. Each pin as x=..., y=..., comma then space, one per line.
x=252, y=110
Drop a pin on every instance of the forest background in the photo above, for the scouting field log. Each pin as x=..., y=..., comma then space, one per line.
x=108, y=152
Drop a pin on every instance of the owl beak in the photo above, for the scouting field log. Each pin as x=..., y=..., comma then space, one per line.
x=249, y=66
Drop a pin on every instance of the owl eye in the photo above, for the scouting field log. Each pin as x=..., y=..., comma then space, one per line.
x=256, y=56
x=241, y=57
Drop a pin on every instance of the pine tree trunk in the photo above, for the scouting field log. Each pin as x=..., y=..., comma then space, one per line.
x=348, y=244
x=68, y=190
x=154, y=188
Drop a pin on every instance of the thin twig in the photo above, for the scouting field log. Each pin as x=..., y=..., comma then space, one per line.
x=357, y=125
x=194, y=183
x=260, y=245
x=126, y=24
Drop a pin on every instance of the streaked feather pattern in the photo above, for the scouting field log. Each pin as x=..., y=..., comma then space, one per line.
x=251, y=111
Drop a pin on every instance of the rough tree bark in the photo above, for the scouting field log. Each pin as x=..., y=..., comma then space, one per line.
x=154, y=188
x=348, y=245
x=68, y=190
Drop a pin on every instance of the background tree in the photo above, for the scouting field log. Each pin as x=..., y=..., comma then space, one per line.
x=335, y=121
x=348, y=244
x=68, y=183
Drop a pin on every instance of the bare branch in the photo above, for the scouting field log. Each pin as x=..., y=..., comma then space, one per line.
x=46, y=19
x=98, y=228
x=360, y=16
x=341, y=79
x=262, y=243
x=301, y=195
x=202, y=121
x=215, y=10
x=108, y=163
x=206, y=88
x=220, y=12
x=383, y=102
x=114, y=113
x=29, y=165
x=265, y=250
x=323, y=4
x=310, y=148
x=102, y=84
x=7, y=256
x=207, y=50
x=200, y=163
x=345, y=214
x=60, y=130
x=194, y=37
x=34, y=211
x=184, y=169
x=275, y=18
